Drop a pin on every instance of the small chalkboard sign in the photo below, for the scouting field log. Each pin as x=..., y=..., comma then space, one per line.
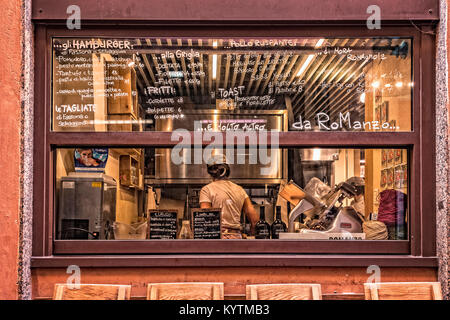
x=206, y=223
x=162, y=224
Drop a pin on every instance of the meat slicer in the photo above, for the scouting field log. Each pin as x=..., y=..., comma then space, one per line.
x=324, y=209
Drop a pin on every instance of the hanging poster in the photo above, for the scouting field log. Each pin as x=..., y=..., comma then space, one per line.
x=90, y=159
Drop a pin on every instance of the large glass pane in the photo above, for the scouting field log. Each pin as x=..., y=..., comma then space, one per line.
x=218, y=84
x=148, y=193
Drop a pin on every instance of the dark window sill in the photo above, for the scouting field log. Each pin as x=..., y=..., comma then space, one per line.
x=232, y=260
x=221, y=247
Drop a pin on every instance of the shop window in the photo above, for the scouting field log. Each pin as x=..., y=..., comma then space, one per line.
x=324, y=132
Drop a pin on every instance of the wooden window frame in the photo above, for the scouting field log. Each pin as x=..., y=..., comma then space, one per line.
x=418, y=250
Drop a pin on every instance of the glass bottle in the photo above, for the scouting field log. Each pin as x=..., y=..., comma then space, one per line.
x=186, y=206
x=278, y=225
x=262, y=228
x=185, y=232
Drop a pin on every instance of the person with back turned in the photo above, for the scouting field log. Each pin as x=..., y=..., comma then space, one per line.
x=230, y=197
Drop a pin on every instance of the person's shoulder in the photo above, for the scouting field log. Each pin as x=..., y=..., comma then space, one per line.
x=205, y=191
x=231, y=183
x=207, y=186
x=237, y=186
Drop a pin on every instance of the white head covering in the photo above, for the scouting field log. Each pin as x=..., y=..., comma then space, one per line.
x=217, y=159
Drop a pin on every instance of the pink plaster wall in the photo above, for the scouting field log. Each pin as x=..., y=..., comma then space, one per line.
x=10, y=115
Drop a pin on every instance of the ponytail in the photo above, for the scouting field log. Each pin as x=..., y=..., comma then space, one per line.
x=219, y=171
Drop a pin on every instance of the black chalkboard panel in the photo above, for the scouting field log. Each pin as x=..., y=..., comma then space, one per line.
x=206, y=223
x=162, y=224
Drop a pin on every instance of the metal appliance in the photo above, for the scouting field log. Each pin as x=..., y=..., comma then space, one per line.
x=319, y=163
x=326, y=213
x=87, y=206
x=244, y=170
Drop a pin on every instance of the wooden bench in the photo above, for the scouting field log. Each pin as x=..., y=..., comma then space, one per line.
x=185, y=291
x=91, y=292
x=288, y=291
x=403, y=291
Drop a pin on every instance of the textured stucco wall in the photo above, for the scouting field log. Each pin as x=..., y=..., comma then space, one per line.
x=26, y=199
x=443, y=149
x=10, y=145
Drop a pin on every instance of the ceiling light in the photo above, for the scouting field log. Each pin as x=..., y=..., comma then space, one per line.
x=399, y=84
x=305, y=65
x=362, y=98
x=319, y=43
x=214, y=62
x=309, y=59
x=316, y=154
x=214, y=66
x=376, y=84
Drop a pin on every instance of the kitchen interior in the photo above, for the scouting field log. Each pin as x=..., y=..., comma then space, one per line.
x=219, y=87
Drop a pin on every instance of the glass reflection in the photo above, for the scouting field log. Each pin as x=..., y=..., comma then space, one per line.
x=148, y=84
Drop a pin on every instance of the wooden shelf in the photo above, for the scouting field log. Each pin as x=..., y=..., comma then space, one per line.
x=129, y=151
x=130, y=171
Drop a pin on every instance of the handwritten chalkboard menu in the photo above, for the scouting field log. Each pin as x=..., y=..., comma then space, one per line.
x=162, y=224
x=92, y=80
x=152, y=83
x=206, y=223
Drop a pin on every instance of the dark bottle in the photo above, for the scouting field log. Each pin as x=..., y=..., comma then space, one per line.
x=186, y=206
x=278, y=225
x=262, y=228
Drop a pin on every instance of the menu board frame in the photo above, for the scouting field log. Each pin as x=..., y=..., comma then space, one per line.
x=200, y=210
x=149, y=229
